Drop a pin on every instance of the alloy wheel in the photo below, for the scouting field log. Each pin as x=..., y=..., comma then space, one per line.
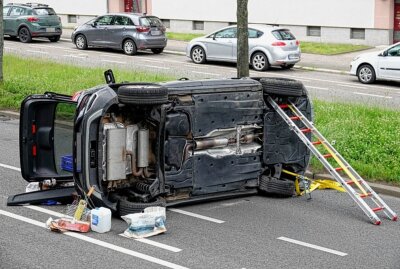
x=128, y=47
x=365, y=74
x=80, y=42
x=198, y=55
x=24, y=35
x=259, y=62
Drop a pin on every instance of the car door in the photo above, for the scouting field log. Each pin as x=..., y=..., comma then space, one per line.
x=389, y=64
x=118, y=30
x=13, y=20
x=97, y=35
x=6, y=19
x=221, y=44
x=46, y=136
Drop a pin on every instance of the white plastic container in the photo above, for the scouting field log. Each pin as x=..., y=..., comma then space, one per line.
x=101, y=220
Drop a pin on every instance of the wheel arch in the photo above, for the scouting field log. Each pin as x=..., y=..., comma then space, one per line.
x=366, y=63
x=258, y=49
x=125, y=39
x=22, y=26
x=199, y=45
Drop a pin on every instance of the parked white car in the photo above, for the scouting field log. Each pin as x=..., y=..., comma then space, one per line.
x=381, y=65
x=268, y=46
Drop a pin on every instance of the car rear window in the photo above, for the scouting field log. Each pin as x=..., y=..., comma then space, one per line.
x=150, y=21
x=283, y=35
x=44, y=11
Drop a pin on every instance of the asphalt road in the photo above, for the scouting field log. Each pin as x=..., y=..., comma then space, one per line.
x=324, y=86
x=251, y=232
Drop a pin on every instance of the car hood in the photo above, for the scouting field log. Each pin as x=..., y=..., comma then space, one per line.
x=368, y=55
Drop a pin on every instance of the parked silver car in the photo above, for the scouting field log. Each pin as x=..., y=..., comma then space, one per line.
x=268, y=46
x=125, y=31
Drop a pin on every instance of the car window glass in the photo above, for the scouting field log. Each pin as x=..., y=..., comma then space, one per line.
x=254, y=33
x=105, y=20
x=5, y=10
x=283, y=35
x=150, y=21
x=16, y=11
x=122, y=20
x=227, y=33
x=395, y=51
x=44, y=11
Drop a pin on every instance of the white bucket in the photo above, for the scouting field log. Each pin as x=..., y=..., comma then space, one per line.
x=101, y=220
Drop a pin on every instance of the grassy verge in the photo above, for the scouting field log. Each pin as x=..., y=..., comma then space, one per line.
x=367, y=137
x=329, y=48
x=182, y=36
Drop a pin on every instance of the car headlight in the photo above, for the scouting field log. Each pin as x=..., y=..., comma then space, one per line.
x=76, y=27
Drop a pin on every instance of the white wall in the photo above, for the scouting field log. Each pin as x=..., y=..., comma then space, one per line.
x=75, y=7
x=335, y=13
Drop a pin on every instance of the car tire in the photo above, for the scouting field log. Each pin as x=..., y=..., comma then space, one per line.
x=282, y=87
x=126, y=207
x=129, y=47
x=366, y=74
x=273, y=186
x=198, y=55
x=157, y=51
x=81, y=42
x=55, y=38
x=143, y=94
x=259, y=61
x=287, y=66
x=24, y=35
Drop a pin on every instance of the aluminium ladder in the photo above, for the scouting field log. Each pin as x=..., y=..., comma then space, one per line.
x=363, y=195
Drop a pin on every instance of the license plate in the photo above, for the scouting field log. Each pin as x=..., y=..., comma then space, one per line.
x=293, y=56
x=155, y=32
x=50, y=29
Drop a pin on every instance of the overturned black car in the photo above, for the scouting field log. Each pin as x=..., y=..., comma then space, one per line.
x=142, y=144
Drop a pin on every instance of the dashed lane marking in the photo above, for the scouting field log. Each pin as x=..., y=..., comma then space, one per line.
x=373, y=95
x=196, y=215
x=304, y=244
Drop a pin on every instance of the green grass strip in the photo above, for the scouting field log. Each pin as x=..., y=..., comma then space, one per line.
x=330, y=48
x=182, y=36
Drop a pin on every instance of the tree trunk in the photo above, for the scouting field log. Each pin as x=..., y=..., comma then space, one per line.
x=242, y=40
x=1, y=41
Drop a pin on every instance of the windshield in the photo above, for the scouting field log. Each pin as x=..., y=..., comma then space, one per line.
x=44, y=11
x=150, y=21
x=283, y=35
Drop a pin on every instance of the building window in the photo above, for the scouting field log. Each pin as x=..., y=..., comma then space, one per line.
x=313, y=31
x=198, y=25
x=357, y=33
x=72, y=19
x=166, y=23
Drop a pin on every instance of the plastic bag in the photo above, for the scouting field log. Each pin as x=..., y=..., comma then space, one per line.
x=149, y=223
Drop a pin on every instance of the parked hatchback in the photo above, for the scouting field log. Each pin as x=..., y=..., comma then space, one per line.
x=381, y=65
x=268, y=46
x=124, y=31
x=26, y=21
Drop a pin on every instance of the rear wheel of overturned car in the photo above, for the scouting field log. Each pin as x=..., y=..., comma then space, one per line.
x=198, y=55
x=157, y=51
x=143, y=94
x=24, y=35
x=282, y=87
x=126, y=207
x=129, y=47
x=273, y=186
x=80, y=42
x=259, y=61
x=55, y=38
x=366, y=74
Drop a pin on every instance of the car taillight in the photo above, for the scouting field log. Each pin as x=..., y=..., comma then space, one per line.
x=278, y=44
x=142, y=29
x=297, y=43
x=32, y=19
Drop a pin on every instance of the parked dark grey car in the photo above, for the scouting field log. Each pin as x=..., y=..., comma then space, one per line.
x=129, y=32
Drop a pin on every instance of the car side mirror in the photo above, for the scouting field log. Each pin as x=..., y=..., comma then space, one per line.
x=384, y=54
x=93, y=24
x=213, y=37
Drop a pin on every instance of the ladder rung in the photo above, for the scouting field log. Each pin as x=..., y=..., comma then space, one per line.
x=317, y=142
x=284, y=106
x=352, y=182
x=295, y=118
x=327, y=155
x=339, y=168
x=306, y=130
x=363, y=195
x=377, y=209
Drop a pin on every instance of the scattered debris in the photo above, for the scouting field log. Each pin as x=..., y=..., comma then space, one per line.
x=149, y=223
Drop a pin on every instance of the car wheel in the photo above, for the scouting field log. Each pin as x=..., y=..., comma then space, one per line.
x=129, y=47
x=366, y=74
x=259, y=61
x=55, y=38
x=24, y=35
x=282, y=87
x=273, y=186
x=287, y=66
x=198, y=55
x=157, y=51
x=126, y=207
x=81, y=42
x=143, y=94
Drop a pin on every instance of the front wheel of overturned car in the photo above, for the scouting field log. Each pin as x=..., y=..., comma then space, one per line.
x=282, y=87
x=273, y=186
x=143, y=94
x=126, y=207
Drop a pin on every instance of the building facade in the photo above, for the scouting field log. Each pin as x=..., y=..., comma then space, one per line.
x=369, y=22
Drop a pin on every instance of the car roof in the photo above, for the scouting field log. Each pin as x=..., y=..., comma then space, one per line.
x=30, y=5
x=130, y=14
x=260, y=27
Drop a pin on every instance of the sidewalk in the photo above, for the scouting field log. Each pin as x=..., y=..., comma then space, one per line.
x=334, y=63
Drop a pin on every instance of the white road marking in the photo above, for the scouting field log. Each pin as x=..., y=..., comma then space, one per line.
x=196, y=215
x=155, y=244
x=317, y=88
x=158, y=67
x=97, y=242
x=196, y=66
x=312, y=246
x=38, y=51
x=46, y=211
x=112, y=56
x=351, y=86
x=205, y=73
x=74, y=56
x=373, y=95
x=112, y=61
x=10, y=167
